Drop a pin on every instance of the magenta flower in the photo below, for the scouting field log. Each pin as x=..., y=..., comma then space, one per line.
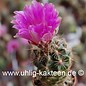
x=37, y=22
x=12, y=46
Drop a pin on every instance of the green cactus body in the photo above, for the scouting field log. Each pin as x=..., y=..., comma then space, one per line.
x=56, y=57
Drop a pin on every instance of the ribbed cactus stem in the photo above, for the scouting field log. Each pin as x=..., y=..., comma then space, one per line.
x=54, y=56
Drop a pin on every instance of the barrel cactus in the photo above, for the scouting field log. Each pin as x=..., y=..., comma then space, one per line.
x=54, y=58
x=39, y=23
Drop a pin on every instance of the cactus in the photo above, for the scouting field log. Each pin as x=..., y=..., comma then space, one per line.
x=54, y=56
x=49, y=52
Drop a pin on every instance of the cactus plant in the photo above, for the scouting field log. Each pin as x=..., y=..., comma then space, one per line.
x=53, y=57
x=50, y=53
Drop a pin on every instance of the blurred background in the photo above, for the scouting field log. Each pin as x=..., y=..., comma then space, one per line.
x=14, y=53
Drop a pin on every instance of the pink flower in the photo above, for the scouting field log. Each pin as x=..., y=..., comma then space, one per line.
x=37, y=22
x=12, y=46
x=3, y=30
